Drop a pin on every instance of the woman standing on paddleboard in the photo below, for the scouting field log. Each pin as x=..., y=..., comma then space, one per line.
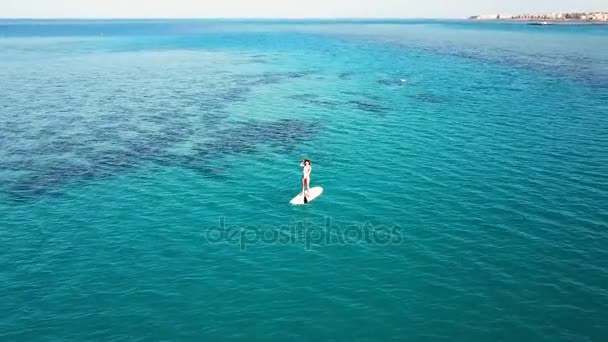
x=306, y=169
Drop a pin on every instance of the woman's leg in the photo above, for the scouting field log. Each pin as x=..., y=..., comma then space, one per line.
x=307, y=181
x=303, y=184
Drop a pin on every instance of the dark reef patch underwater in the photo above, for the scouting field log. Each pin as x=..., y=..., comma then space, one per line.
x=71, y=147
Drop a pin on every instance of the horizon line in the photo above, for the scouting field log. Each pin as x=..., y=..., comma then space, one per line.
x=229, y=18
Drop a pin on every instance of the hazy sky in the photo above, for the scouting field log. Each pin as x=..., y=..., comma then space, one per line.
x=284, y=8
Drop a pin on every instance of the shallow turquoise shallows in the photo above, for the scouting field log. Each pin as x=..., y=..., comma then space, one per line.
x=146, y=169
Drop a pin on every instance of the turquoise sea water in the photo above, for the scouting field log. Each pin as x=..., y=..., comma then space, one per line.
x=146, y=169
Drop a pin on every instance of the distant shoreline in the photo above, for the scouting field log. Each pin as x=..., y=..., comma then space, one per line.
x=555, y=17
x=549, y=21
x=539, y=21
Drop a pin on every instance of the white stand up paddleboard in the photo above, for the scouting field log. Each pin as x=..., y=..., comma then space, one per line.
x=310, y=195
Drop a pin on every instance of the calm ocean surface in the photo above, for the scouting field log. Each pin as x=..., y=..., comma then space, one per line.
x=146, y=169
